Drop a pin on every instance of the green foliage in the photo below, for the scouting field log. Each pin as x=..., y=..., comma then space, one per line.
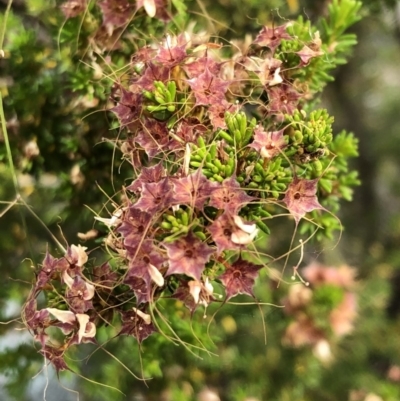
x=56, y=100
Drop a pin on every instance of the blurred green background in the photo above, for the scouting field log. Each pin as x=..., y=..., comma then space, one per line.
x=55, y=101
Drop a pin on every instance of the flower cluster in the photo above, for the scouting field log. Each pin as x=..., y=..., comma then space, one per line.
x=217, y=140
x=322, y=312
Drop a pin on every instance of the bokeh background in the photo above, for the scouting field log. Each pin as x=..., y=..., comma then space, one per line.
x=54, y=104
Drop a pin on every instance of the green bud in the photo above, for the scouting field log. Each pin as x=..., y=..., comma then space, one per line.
x=196, y=164
x=153, y=109
x=148, y=95
x=242, y=123
x=259, y=168
x=213, y=151
x=297, y=117
x=159, y=99
x=218, y=178
x=252, y=184
x=201, y=142
x=207, y=173
x=262, y=212
x=185, y=218
x=200, y=235
x=171, y=86
x=298, y=136
x=263, y=227
x=166, y=225
x=213, y=168
x=227, y=137
x=218, y=164
x=171, y=121
x=317, y=166
x=238, y=137
x=196, y=157
x=280, y=186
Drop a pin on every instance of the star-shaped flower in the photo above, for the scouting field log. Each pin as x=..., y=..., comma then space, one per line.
x=154, y=196
x=72, y=8
x=193, y=190
x=239, y=278
x=147, y=175
x=221, y=232
x=137, y=323
x=116, y=13
x=78, y=294
x=183, y=294
x=140, y=288
x=188, y=130
x=208, y=88
x=268, y=144
x=216, y=113
x=79, y=323
x=153, y=137
x=143, y=270
x=134, y=226
x=105, y=278
x=201, y=64
x=128, y=108
x=37, y=321
x=155, y=9
x=188, y=255
x=49, y=267
x=271, y=37
x=153, y=72
x=229, y=197
x=306, y=54
x=267, y=69
x=283, y=99
x=172, y=51
x=301, y=198
x=231, y=232
x=56, y=357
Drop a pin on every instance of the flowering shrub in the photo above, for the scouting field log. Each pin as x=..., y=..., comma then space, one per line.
x=220, y=140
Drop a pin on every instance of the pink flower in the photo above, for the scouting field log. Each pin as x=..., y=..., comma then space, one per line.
x=188, y=255
x=301, y=197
